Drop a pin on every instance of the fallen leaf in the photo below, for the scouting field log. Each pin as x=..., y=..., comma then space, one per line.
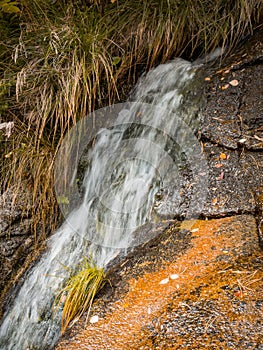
x=94, y=319
x=223, y=156
x=8, y=155
x=221, y=176
x=116, y=60
x=239, y=294
x=225, y=87
x=242, y=140
x=234, y=82
x=164, y=281
x=214, y=201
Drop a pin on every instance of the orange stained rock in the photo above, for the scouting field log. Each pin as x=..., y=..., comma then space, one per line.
x=149, y=293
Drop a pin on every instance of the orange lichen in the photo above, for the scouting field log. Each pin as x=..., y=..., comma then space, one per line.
x=150, y=294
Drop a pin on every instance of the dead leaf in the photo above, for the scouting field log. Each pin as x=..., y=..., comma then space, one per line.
x=94, y=319
x=239, y=294
x=223, y=156
x=221, y=176
x=8, y=155
x=214, y=201
x=242, y=141
x=164, y=281
x=234, y=82
x=225, y=87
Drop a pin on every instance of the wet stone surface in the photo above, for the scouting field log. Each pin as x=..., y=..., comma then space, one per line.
x=199, y=287
x=16, y=238
x=231, y=135
x=233, y=116
x=206, y=293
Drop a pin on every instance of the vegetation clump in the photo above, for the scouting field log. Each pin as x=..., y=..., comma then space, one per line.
x=79, y=292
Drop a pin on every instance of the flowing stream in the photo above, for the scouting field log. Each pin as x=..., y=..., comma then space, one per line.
x=127, y=165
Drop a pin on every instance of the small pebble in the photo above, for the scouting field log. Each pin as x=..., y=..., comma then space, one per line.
x=164, y=281
x=234, y=82
x=226, y=86
x=242, y=140
x=94, y=319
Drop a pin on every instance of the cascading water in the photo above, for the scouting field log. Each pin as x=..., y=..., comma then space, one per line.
x=128, y=163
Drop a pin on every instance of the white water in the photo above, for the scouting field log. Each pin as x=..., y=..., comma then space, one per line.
x=126, y=170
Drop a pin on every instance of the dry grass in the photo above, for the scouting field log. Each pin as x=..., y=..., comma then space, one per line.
x=68, y=60
x=78, y=294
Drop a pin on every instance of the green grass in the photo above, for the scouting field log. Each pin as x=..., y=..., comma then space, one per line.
x=78, y=294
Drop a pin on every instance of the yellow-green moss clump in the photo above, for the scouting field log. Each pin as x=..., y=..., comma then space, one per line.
x=78, y=293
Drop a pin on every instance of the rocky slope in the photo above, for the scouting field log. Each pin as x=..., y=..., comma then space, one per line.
x=199, y=285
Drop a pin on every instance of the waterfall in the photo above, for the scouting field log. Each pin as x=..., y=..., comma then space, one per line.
x=127, y=164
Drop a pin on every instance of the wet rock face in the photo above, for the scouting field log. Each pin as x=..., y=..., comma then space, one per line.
x=16, y=238
x=206, y=295
x=233, y=116
x=231, y=135
x=204, y=291
x=251, y=109
x=232, y=125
